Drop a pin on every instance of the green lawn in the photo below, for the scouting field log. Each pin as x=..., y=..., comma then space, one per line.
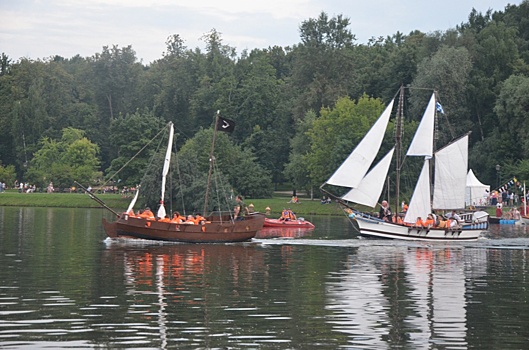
x=115, y=201
x=65, y=200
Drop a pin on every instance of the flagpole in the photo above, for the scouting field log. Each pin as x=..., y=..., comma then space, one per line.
x=211, y=160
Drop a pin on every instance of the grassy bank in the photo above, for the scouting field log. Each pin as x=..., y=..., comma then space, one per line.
x=64, y=200
x=115, y=201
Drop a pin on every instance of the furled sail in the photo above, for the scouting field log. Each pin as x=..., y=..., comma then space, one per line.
x=161, y=211
x=369, y=190
x=133, y=201
x=422, y=143
x=451, y=164
x=354, y=168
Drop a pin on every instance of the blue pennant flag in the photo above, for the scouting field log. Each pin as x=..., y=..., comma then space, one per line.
x=439, y=108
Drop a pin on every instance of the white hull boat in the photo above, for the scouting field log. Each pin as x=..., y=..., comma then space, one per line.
x=450, y=167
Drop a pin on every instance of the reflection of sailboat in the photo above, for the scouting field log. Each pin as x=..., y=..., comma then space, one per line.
x=449, y=183
x=218, y=227
x=413, y=296
x=438, y=280
x=357, y=300
x=166, y=278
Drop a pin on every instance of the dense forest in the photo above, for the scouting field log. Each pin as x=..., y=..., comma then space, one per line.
x=299, y=110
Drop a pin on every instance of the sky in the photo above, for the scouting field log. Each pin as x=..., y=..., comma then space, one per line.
x=39, y=29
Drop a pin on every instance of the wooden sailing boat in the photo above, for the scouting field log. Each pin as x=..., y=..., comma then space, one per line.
x=449, y=184
x=218, y=228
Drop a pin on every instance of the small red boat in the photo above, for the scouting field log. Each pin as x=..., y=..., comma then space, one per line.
x=299, y=223
x=284, y=232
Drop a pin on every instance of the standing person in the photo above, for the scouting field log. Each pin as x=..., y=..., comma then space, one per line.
x=385, y=211
x=240, y=209
x=499, y=210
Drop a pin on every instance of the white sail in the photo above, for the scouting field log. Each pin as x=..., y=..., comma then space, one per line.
x=354, y=168
x=451, y=164
x=420, y=200
x=422, y=143
x=369, y=190
x=133, y=201
x=161, y=211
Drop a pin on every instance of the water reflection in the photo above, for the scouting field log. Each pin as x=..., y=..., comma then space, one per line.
x=407, y=297
x=161, y=280
x=62, y=285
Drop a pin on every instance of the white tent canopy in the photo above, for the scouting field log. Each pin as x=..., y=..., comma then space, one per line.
x=476, y=192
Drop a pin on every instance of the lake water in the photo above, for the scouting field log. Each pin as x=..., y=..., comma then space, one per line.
x=64, y=285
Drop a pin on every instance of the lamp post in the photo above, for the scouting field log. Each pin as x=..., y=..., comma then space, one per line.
x=498, y=169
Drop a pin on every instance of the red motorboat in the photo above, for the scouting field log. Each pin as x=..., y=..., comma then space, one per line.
x=298, y=223
x=284, y=232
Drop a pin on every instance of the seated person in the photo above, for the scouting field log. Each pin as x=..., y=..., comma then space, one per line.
x=397, y=219
x=165, y=219
x=418, y=223
x=177, y=218
x=285, y=215
x=291, y=215
x=190, y=220
x=454, y=224
x=147, y=214
x=429, y=222
x=199, y=219
x=350, y=213
x=441, y=222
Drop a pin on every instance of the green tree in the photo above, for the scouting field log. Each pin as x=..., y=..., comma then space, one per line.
x=7, y=174
x=511, y=108
x=337, y=131
x=297, y=170
x=235, y=169
x=115, y=74
x=73, y=158
x=322, y=65
x=447, y=72
x=130, y=134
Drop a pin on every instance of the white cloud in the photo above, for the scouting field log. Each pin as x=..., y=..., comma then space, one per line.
x=39, y=29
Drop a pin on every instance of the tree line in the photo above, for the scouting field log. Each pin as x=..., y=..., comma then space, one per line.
x=299, y=110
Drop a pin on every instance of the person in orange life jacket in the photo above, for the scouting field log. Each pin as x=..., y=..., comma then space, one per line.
x=419, y=222
x=291, y=214
x=165, y=219
x=397, y=219
x=199, y=219
x=442, y=223
x=147, y=214
x=177, y=218
x=285, y=215
x=429, y=222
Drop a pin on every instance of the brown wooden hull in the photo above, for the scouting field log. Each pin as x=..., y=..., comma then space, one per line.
x=217, y=230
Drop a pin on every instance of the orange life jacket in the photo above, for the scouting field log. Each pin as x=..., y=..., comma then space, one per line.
x=428, y=222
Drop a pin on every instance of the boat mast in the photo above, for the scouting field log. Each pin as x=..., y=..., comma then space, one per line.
x=211, y=161
x=398, y=145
